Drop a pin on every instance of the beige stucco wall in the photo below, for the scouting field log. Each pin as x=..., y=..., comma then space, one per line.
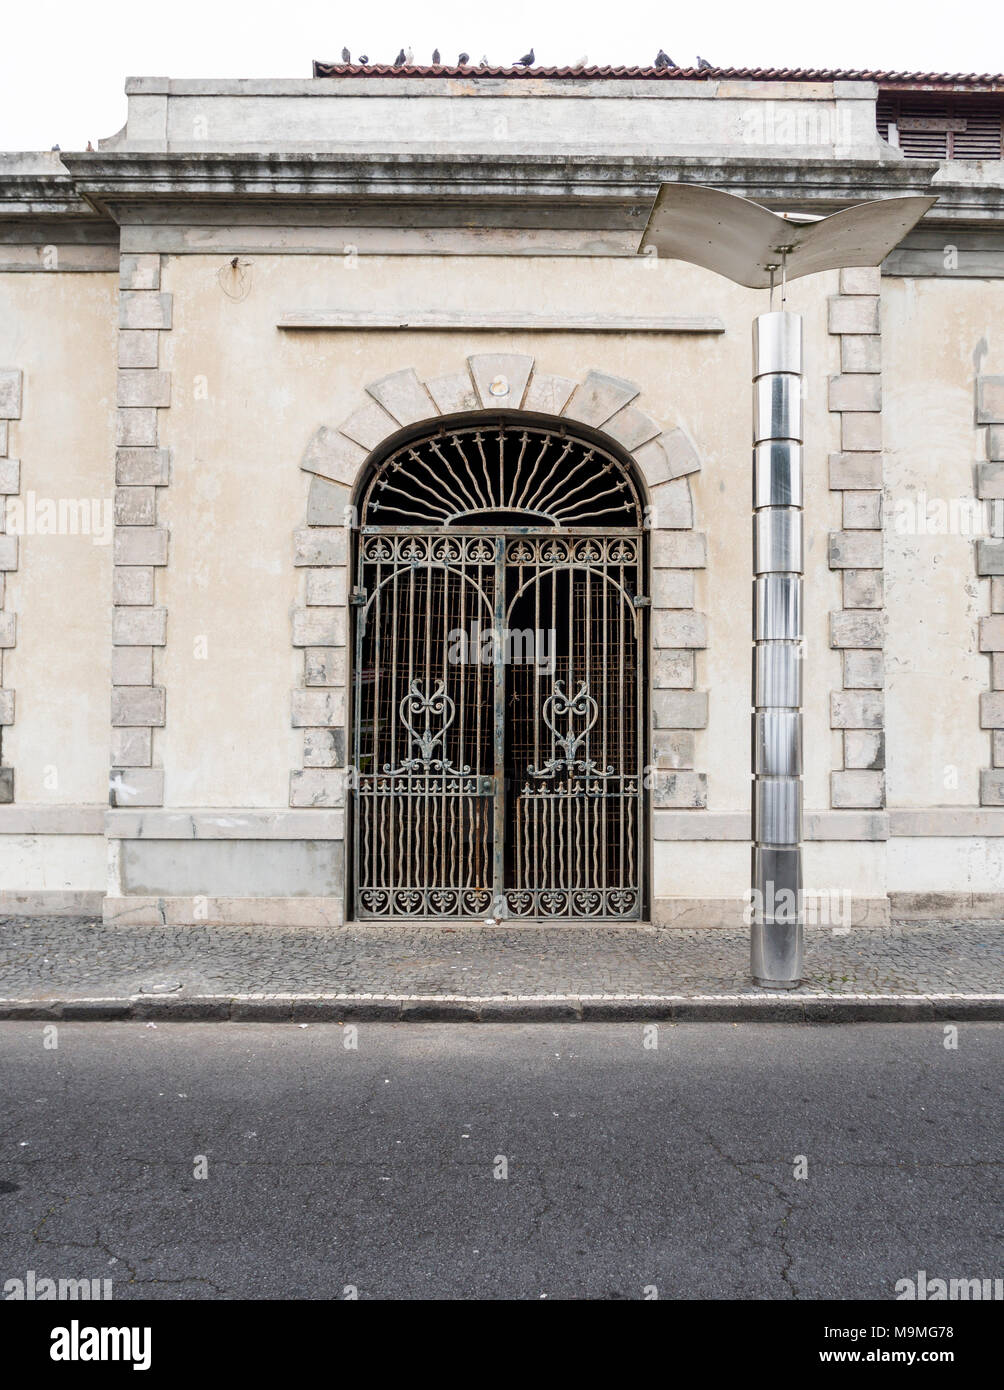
x=60, y=329
x=247, y=397
x=935, y=333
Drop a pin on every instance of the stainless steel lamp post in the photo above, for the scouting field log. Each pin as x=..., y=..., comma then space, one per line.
x=748, y=244
x=776, y=921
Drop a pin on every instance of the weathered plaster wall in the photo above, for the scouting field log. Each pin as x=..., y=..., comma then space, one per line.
x=938, y=335
x=60, y=330
x=247, y=398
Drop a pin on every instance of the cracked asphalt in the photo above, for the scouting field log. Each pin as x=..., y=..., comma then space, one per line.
x=375, y=1168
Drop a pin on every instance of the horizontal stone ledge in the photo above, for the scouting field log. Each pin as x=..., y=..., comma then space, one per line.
x=946, y=822
x=463, y=321
x=34, y=819
x=51, y=902
x=188, y=911
x=163, y=824
x=735, y=825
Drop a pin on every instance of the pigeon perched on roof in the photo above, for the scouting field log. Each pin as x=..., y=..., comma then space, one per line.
x=411, y=56
x=435, y=57
x=346, y=56
x=703, y=63
x=463, y=59
x=526, y=61
x=663, y=61
x=399, y=60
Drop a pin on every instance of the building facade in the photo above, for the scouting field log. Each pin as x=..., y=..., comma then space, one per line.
x=377, y=531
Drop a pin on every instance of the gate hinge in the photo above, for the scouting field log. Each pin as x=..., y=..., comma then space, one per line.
x=358, y=596
x=642, y=601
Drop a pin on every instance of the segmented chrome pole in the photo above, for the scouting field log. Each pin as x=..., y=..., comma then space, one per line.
x=776, y=923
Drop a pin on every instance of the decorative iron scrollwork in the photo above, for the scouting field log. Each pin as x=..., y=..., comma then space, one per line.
x=415, y=704
x=560, y=705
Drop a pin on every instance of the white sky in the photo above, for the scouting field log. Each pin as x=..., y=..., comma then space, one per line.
x=63, y=64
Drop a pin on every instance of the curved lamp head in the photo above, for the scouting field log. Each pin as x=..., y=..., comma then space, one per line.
x=742, y=240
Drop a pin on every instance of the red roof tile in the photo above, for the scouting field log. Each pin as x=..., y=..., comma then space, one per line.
x=992, y=81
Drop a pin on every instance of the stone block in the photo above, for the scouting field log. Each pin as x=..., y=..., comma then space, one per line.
x=996, y=669
x=860, y=354
x=144, y=309
x=855, y=550
x=995, y=442
x=862, y=511
x=671, y=505
x=863, y=670
x=997, y=594
x=6, y=786
x=992, y=787
x=403, y=396
x=673, y=748
x=319, y=709
x=136, y=428
x=454, y=393
x=679, y=628
x=139, y=627
x=997, y=747
x=138, y=348
x=135, y=506
x=8, y=552
x=990, y=479
x=369, y=425
x=132, y=747
x=321, y=545
x=863, y=588
x=324, y=747
x=317, y=787
x=992, y=634
x=858, y=788
x=855, y=628
x=327, y=587
x=138, y=704
x=10, y=477
x=990, y=400
x=679, y=550
x=990, y=557
x=137, y=786
x=672, y=589
x=673, y=669
x=132, y=584
x=853, y=314
x=856, y=709
x=861, y=279
x=144, y=388
x=327, y=502
x=139, y=271
x=855, y=392
x=319, y=627
x=631, y=427
x=548, y=394
x=860, y=433
x=333, y=456
x=864, y=748
x=10, y=393
x=500, y=378
x=140, y=545
x=324, y=666
x=6, y=707
x=142, y=467
x=680, y=709
x=132, y=665
x=992, y=709
x=856, y=471
x=8, y=629
x=682, y=790
x=599, y=397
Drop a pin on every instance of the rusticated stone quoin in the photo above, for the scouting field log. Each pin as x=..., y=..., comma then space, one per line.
x=857, y=629
x=11, y=395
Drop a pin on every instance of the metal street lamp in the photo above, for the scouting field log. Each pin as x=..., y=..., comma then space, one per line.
x=755, y=247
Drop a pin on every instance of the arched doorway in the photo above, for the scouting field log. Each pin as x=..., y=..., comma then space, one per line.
x=498, y=686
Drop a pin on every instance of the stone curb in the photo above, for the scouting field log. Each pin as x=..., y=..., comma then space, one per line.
x=374, y=1008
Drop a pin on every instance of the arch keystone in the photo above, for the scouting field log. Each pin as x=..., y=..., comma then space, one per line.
x=511, y=369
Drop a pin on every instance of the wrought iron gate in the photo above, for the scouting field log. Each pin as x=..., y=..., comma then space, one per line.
x=498, y=712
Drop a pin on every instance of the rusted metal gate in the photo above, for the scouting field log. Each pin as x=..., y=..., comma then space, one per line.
x=498, y=745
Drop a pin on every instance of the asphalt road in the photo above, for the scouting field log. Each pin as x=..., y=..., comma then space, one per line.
x=331, y=1168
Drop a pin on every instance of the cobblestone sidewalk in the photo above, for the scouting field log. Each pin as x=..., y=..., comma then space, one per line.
x=50, y=966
